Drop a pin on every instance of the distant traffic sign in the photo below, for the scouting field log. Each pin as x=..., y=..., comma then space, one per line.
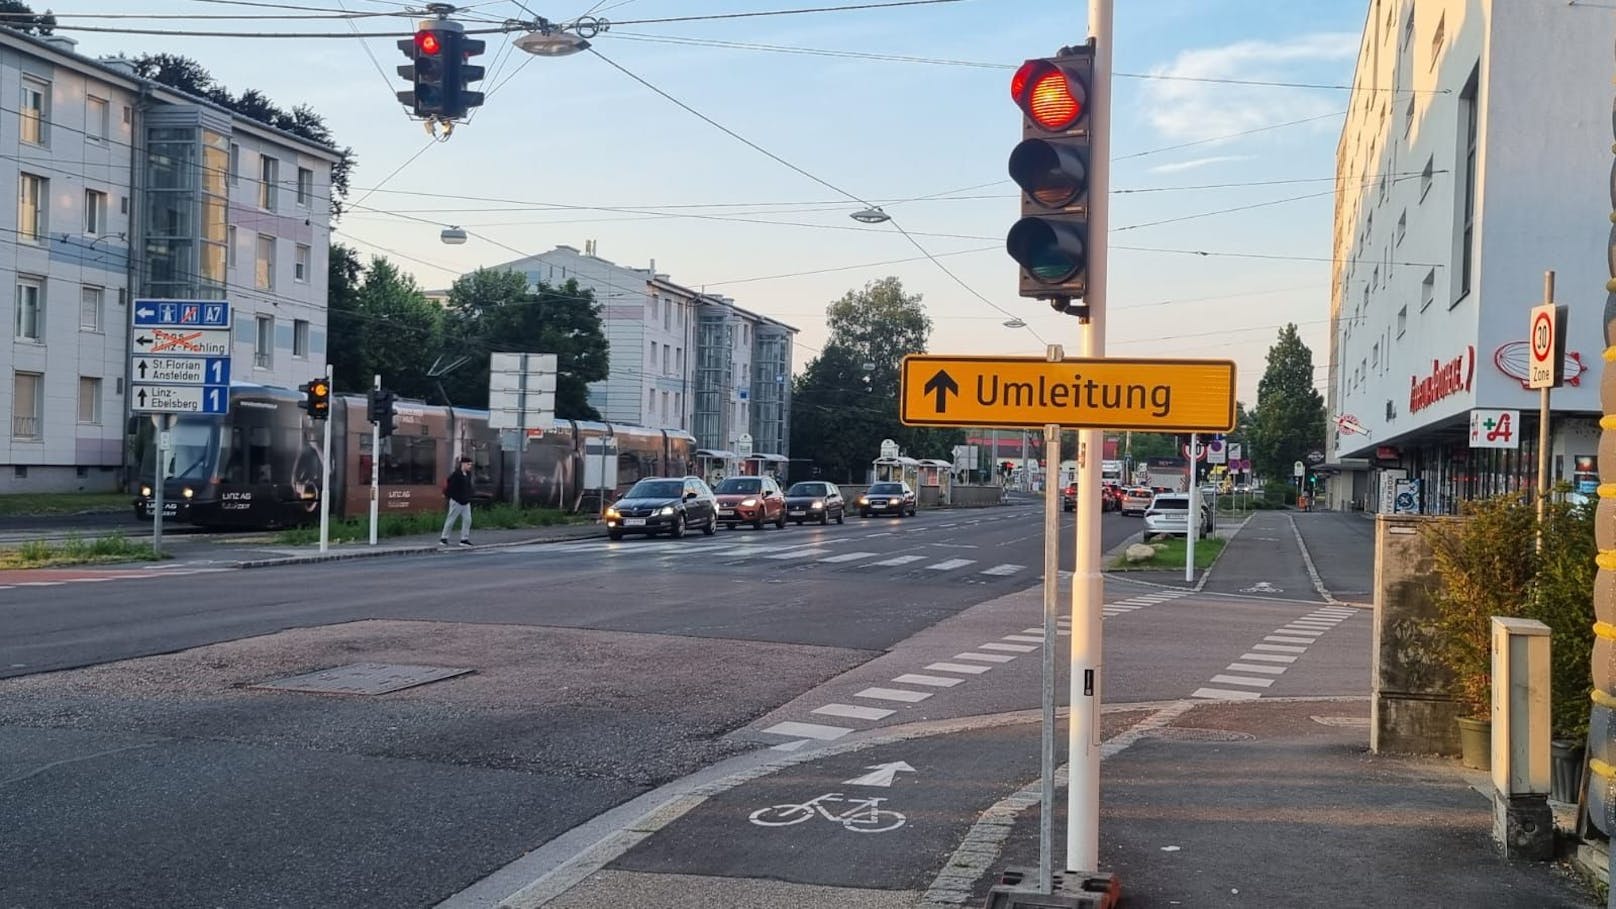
x=1545, y=347
x=169, y=313
x=188, y=342
x=180, y=356
x=183, y=370
x=181, y=398
x=1160, y=395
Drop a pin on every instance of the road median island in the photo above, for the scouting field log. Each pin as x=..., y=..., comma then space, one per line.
x=74, y=550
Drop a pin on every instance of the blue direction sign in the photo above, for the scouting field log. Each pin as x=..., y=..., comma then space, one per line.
x=182, y=370
x=170, y=313
x=181, y=398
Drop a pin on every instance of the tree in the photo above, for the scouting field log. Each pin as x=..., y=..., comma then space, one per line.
x=496, y=311
x=20, y=17
x=1290, y=412
x=380, y=324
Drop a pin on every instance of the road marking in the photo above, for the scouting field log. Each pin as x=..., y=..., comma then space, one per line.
x=1003, y=570
x=849, y=557
x=1253, y=667
x=900, y=560
x=1284, y=639
x=1012, y=648
x=951, y=564
x=1279, y=648
x=893, y=694
x=1268, y=657
x=987, y=657
x=854, y=711
x=1316, y=623
x=797, y=553
x=1315, y=632
x=936, y=681
x=808, y=730
x=957, y=667
x=1025, y=638
x=790, y=746
x=1242, y=680
x=1223, y=694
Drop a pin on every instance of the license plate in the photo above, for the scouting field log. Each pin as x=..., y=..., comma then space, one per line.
x=879, y=502
x=633, y=522
x=726, y=512
x=798, y=512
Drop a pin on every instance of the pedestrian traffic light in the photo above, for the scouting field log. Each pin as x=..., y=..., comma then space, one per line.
x=1051, y=165
x=381, y=411
x=426, y=69
x=316, y=397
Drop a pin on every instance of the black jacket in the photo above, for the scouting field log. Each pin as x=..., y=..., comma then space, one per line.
x=458, y=487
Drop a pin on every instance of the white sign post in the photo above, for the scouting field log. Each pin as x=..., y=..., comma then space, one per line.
x=1545, y=345
x=521, y=394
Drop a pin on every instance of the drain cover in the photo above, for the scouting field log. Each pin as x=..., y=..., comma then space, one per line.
x=365, y=678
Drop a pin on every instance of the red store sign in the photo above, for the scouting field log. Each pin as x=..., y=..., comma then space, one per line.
x=1446, y=379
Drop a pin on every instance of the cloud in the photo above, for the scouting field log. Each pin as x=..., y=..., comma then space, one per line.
x=1190, y=111
x=1195, y=163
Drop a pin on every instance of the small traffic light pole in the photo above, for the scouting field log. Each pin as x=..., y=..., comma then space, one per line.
x=164, y=444
x=325, y=469
x=375, y=464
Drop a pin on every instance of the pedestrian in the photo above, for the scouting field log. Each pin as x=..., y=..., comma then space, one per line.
x=458, y=488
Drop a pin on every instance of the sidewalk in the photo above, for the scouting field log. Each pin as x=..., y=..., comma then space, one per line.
x=1342, y=544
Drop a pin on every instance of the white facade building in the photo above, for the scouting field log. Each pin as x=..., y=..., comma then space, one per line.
x=97, y=164
x=1475, y=156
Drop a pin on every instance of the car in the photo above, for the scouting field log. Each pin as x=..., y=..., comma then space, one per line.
x=1069, y=497
x=815, y=501
x=1135, y=500
x=750, y=500
x=668, y=505
x=888, y=498
x=1169, y=514
x=1110, y=497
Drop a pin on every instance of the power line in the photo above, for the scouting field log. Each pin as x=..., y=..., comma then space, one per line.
x=783, y=12
x=1247, y=132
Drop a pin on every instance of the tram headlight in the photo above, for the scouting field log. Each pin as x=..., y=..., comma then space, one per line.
x=145, y=492
x=187, y=492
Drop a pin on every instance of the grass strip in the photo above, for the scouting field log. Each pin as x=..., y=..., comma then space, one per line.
x=77, y=551
x=1170, y=554
x=44, y=503
x=484, y=517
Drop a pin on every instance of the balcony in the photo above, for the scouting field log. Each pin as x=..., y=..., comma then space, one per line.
x=24, y=427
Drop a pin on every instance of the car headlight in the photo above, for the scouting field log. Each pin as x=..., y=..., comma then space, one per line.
x=187, y=492
x=817, y=506
x=667, y=511
x=145, y=491
x=612, y=513
x=864, y=500
x=748, y=503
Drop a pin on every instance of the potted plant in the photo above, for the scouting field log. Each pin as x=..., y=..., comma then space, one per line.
x=1486, y=563
x=1562, y=599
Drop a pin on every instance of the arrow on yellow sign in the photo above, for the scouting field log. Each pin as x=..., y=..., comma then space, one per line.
x=1152, y=395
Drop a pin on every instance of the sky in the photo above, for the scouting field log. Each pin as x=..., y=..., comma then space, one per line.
x=1222, y=199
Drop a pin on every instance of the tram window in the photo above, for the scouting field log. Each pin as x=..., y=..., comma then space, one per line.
x=409, y=462
x=481, y=463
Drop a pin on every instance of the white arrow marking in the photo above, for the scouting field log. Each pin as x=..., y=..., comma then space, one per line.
x=146, y=311
x=883, y=776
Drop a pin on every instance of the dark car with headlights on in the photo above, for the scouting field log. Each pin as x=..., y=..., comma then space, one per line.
x=815, y=501
x=888, y=498
x=667, y=505
x=750, y=500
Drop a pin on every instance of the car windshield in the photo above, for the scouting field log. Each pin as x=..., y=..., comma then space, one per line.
x=887, y=488
x=1177, y=502
x=739, y=485
x=657, y=489
x=808, y=489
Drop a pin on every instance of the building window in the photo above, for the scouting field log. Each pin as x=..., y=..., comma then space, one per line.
x=95, y=213
x=35, y=112
x=235, y=164
x=25, y=406
x=89, y=400
x=230, y=242
x=1374, y=355
x=1425, y=179
x=667, y=316
x=32, y=193
x=1437, y=38
x=1467, y=218
x=264, y=342
x=305, y=186
x=1402, y=226
x=650, y=404
x=1408, y=117
x=650, y=362
x=95, y=118
x=1428, y=289
x=30, y=309
x=300, y=338
x=90, y=303
x=300, y=265
x=1402, y=320
x=265, y=276
x=665, y=356
x=268, y=175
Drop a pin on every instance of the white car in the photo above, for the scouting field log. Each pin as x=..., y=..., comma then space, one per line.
x=1169, y=514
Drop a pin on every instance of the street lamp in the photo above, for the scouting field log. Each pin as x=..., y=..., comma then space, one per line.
x=1014, y=323
x=551, y=44
x=873, y=215
x=453, y=235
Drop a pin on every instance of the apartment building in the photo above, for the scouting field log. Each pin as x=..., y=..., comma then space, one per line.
x=1474, y=157
x=124, y=189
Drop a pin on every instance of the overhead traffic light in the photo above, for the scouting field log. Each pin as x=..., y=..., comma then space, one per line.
x=440, y=70
x=316, y=397
x=1051, y=165
x=462, y=73
x=381, y=411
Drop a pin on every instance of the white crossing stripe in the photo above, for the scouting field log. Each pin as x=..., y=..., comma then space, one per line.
x=1242, y=680
x=1025, y=639
x=1282, y=639
x=1279, y=648
x=849, y=557
x=855, y=712
x=1315, y=632
x=1268, y=657
x=1223, y=694
x=808, y=730
x=1253, y=667
x=951, y=564
x=1033, y=631
x=957, y=667
x=900, y=560
x=987, y=657
x=1012, y=648
x=1313, y=623
x=935, y=681
x=1003, y=570
x=893, y=694
x=798, y=553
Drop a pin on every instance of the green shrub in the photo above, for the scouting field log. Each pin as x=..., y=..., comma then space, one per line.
x=1563, y=600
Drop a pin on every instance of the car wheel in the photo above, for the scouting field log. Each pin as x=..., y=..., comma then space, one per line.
x=840, y=515
x=780, y=523
x=614, y=534
x=864, y=514
x=824, y=518
x=758, y=524
x=678, y=530
x=729, y=526
x=798, y=523
x=710, y=528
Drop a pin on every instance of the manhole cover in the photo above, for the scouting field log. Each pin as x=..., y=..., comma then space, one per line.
x=1357, y=721
x=364, y=678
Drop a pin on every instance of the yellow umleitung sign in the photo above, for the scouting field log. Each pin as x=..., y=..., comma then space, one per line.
x=1153, y=395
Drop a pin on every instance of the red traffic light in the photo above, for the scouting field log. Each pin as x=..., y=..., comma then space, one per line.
x=1048, y=95
x=427, y=42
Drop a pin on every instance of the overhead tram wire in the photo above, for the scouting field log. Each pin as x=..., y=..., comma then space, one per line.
x=373, y=61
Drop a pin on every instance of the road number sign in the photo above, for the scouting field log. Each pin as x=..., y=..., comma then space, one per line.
x=1545, y=346
x=180, y=356
x=1159, y=395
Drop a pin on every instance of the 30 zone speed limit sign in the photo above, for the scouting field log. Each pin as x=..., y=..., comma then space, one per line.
x=1545, y=346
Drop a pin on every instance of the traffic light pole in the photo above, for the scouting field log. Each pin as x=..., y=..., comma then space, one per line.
x=325, y=468
x=375, y=465
x=1083, y=728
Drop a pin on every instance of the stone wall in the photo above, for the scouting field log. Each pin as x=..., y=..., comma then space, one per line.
x=1410, y=710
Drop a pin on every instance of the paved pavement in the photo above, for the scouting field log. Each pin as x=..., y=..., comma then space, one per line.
x=1342, y=544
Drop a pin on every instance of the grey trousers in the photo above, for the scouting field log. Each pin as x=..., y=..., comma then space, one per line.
x=457, y=510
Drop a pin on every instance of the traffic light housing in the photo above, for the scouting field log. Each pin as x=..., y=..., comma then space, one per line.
x=462, y=73
x=1051, y=165
x=440, y=71
x=381, y=411
x=317, y=397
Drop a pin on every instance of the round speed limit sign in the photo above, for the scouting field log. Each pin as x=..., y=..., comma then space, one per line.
x=1542, y=337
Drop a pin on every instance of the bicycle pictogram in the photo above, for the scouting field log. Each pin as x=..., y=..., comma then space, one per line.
x=865, y=815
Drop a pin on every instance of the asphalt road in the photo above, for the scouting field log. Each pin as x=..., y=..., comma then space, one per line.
x=601, y=670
